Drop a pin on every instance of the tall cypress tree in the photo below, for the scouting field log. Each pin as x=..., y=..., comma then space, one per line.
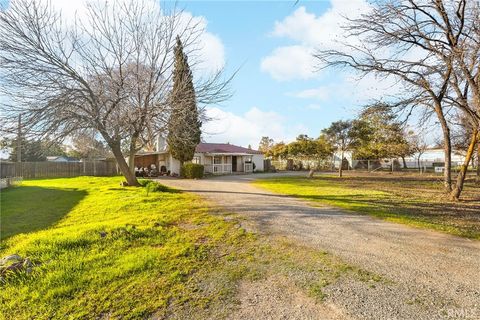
x=184, y=126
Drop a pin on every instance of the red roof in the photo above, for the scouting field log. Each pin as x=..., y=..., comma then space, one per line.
x=223, y=148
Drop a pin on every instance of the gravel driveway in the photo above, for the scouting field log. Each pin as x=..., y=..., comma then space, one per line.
x=429, y=275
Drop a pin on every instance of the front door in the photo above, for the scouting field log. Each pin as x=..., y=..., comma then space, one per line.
x=234, y=164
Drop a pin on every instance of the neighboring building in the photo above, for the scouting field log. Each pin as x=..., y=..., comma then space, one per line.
x=61, y=159
x=434, y=157
x=217, y=158
x=337, y=155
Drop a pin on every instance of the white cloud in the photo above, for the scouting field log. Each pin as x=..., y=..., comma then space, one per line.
x=310, y=32
x=352, y=90
x=320, y=93
x=210, y=49
x=247, y=128
x=323, y=30
x=213, y=53
x=314, y=106
x=287, y=63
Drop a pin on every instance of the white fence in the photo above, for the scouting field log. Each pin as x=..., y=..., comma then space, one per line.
x=218, y=168
x=7, y=182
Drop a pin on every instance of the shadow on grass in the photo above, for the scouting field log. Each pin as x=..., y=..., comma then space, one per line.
x=389, y=205
x=27, y=209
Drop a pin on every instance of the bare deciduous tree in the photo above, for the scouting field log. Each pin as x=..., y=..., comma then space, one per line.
x=422, y=44
x=418, y=145
x=340, y=135
x=109, y=71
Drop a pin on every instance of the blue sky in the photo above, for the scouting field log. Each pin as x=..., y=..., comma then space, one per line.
x=276, y=92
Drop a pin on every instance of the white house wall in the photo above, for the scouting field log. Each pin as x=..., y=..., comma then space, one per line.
x=337, y=158
x=174, y=164
x=258, y=160
x=435, y=155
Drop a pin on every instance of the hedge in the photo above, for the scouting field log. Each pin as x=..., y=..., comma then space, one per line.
x=192, y=171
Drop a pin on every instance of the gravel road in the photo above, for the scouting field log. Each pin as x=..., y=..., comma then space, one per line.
x=429, y=275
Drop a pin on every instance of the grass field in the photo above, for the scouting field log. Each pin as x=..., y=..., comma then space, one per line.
x=405, y=198
x=105, y=251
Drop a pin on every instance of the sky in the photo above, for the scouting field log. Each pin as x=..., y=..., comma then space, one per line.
x=277, y=92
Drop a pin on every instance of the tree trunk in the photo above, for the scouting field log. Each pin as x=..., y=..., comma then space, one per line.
x=447, y=148
x=311, y=173
x=455, y=194
x=131, y=152
x=340, y=168
x=477, y=178
x=122, y=164
x=404, y=163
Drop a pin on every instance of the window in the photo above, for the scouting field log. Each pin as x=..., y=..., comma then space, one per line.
x=217, y=160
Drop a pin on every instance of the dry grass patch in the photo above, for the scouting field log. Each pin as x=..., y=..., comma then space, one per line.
x=413, y=199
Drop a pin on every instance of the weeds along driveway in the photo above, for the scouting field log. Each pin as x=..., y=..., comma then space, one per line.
x=428, y=275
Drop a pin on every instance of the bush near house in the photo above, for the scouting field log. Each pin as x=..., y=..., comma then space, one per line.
x=192, y=171
x=152, y=186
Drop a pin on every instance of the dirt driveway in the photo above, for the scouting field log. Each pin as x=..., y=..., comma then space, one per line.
x=429, y=275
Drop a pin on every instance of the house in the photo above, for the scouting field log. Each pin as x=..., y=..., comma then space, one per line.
x=432, y=157
x=217, y=158
x=61, y=159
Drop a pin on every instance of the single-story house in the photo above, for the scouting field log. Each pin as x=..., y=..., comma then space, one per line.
x=61, y=159
x=217, y=158
x=433, y=156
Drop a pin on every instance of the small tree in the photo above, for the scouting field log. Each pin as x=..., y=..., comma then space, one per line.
x=278, y=151
x=184, y=126
x=303, y=147
x=379, y=135
x=324, y=148
x=265, y=144
x=418, y=145
x=340, y=135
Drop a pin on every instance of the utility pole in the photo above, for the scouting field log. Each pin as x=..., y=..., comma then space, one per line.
x=19, y=139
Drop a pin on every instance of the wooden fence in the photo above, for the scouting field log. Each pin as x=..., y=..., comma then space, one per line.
x=47, y=169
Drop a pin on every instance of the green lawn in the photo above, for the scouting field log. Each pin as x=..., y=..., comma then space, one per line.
x=152, y=245
x=105, y=251
x=413, y=200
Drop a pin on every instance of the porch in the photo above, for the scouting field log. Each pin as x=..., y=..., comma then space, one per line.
x=227, y=163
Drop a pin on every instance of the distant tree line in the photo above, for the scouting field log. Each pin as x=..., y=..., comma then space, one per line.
x=82, y=146
x=374, y=134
